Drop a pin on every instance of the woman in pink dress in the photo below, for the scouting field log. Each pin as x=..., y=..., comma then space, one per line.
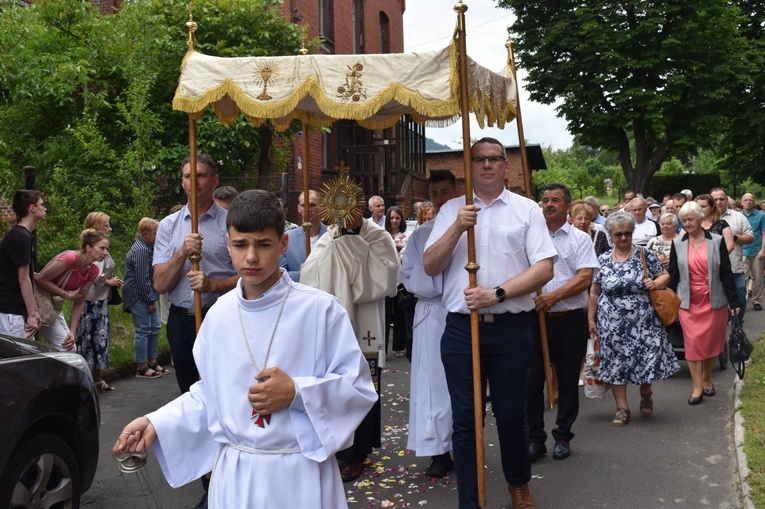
x=700, y=273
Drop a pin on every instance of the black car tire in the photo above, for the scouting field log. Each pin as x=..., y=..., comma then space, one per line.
x=41, y=458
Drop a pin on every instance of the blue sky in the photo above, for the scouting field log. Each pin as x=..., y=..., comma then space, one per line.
x=429, y=25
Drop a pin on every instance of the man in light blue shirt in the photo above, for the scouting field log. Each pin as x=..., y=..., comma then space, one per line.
x=754, y=253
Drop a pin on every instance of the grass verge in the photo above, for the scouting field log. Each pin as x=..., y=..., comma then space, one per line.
x=753, y=411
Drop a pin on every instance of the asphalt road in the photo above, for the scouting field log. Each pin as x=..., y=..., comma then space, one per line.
x=681, y=456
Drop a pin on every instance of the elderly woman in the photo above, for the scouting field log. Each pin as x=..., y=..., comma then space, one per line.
x=662, y=244
x=93, y=329
x=634, y=347
x=70, y=275
x=700, y=272
x=581, y=216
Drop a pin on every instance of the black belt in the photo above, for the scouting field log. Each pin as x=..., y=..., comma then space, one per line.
x=556, y=314
x=486, y=317
x=186, y=311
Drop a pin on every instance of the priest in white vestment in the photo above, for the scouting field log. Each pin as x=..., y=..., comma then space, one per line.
x=360, y=268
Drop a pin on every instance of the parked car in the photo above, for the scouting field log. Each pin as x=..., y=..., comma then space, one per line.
x=49, y=420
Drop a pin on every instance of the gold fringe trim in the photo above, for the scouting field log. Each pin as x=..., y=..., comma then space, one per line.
x=432, y=113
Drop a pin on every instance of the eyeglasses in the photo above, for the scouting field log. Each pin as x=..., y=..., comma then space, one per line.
x=492, y=159
x=621, y=234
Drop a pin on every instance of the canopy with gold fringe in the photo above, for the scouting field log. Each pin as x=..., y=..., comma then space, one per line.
x=375, y=90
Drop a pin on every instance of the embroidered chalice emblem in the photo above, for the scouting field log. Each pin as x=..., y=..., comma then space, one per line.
x=353, y=88
x=264, y=74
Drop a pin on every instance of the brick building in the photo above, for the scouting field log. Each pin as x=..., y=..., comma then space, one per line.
x=389, y=162
x=452, y=160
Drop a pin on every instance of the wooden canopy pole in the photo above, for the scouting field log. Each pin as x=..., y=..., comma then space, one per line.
x=306, y=179
x=194, y=211
x=527, y=184
x=195, y=259
x=472, y=267
x=306, y=185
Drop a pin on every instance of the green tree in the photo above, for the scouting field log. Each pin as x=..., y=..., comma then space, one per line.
x=647, y=80
x=742, y=149
x=86, y=99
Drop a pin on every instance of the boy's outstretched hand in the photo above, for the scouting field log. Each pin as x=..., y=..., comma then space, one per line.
x=274, y=391
x=135, y=437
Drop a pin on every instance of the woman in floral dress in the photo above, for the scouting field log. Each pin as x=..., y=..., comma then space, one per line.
x=633, y=343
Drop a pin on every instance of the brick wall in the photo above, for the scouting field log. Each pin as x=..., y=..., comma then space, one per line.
x=452, y=160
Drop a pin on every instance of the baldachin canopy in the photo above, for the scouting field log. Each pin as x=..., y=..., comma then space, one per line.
x=374, y=90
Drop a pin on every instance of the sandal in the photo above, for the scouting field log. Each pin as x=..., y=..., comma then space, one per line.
x=102, y=386
x=646, y=403
x=621, y=418
x=144, y=372
x=159, y=369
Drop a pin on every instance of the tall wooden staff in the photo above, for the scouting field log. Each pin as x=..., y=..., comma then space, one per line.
x=472, y=267
x=194, y=258
x=306, y=179
x=527, y=184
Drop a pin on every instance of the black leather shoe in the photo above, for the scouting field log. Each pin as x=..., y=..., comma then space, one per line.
x=708, y=392
x=562, y=450
x=693, y=400
x=440, y=465
x=536, y=451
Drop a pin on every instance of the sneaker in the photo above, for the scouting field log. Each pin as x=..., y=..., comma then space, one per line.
x=758, y=307
x=440, y=465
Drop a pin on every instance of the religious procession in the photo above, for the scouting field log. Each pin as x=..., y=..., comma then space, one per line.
x=433, y=303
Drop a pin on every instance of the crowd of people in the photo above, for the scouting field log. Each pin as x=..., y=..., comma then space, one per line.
x=555, y=273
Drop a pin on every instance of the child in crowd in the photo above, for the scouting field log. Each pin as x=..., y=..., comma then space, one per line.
x=283, y=383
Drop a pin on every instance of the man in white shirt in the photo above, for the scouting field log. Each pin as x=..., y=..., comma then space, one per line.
x=564, y=302
x=645, y=229
x=377, y=207
x=516, y=257
x=742, y=235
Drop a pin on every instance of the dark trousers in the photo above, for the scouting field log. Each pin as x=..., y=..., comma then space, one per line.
x=181, y=334
x=505, y=351
x=567, y=341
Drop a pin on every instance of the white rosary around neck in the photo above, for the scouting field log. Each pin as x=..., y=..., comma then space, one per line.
x=273, y=331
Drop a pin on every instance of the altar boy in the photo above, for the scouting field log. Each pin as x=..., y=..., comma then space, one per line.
x=283, y=383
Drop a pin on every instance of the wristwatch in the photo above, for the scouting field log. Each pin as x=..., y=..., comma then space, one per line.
x=499, y=292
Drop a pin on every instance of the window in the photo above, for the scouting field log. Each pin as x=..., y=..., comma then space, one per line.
x=358, y=26
x=325, y=19
x=384, y=33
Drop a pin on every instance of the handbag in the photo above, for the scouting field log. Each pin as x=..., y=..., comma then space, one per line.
x=665, y=302
x=739, y=348
x=593, y=388
x=49, y=306
x=115, y=299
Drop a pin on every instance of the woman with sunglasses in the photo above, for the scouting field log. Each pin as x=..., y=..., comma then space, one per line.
x=634, y=347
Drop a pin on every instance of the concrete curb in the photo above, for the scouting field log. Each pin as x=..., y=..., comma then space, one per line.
x=738, y=437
